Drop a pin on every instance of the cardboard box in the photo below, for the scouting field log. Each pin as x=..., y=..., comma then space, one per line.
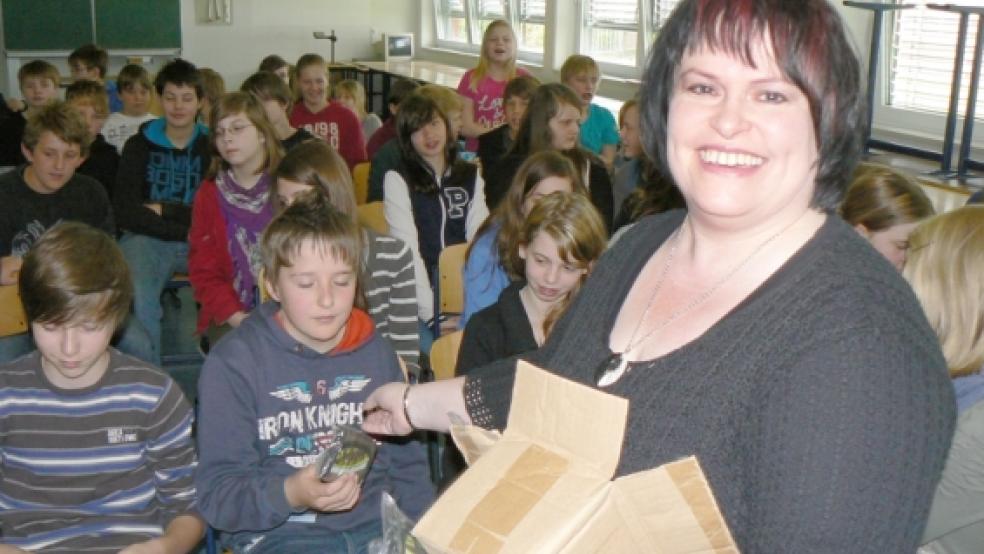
x=546, y=485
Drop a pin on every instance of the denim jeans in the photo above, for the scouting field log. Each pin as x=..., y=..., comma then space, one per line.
x=152, y=262
x=307, y=540
x=15, y=346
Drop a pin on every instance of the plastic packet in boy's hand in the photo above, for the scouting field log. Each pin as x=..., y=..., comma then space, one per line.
x=351, y=451
x=396, y=531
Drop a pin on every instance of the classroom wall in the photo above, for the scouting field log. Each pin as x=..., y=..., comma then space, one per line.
x=285, y=27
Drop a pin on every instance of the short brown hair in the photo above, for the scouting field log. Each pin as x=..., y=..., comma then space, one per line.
x=576, y=65
x=213, y=84
x=881, y=197
x=316, y=164
x=92, y=56
x=132, y=75
x=75, y=272
x=63, y=121
x=244, y=103
x=267, y=86
x=523, y=86
x=312, y=218
x=38, y=68
x=91, y=93
x=272, y=63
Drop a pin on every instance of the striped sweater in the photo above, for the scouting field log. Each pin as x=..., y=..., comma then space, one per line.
x=95, y=469
x=391, y=295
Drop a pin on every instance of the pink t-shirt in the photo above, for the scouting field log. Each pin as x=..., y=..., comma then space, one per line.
x=487, y=101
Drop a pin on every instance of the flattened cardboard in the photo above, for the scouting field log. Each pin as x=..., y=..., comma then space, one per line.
x=545, y=485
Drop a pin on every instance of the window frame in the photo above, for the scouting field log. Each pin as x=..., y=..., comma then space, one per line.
x=473, y=46
x=911, y=126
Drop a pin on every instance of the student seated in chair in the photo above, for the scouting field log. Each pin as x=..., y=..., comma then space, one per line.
x=160, y=171
x=97, y=446
x=309, y=351
x=45, y=191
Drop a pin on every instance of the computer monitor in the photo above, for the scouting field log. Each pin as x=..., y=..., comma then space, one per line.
x=397, y=46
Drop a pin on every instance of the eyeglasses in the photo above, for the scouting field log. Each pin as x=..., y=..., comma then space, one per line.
x=232, y=130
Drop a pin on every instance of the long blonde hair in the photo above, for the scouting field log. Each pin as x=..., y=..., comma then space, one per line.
x=945, y=267
x=482, y=69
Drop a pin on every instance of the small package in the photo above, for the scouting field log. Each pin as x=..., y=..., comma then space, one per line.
x=546, y=485
x=351, y=451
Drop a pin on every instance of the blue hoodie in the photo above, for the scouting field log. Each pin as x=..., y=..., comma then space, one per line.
x=266, y=404
x=153, y=170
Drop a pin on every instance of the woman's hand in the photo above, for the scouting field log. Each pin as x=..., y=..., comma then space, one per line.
x=305, y=490
x=385, y=414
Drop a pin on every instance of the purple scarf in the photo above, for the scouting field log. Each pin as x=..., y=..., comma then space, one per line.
x=246, y=213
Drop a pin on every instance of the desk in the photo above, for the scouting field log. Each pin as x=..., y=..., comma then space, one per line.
x=377, y=76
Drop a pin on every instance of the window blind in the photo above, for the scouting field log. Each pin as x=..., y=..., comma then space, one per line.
x=924, y=46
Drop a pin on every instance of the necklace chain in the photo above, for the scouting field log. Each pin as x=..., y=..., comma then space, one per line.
x=700, y=299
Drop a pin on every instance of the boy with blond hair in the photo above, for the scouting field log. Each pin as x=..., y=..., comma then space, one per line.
x=97, y=445
x=39, y=81
x=599, y=133
x=135, y=92
x=90, y=63
x=90, y=99
x=272, y=390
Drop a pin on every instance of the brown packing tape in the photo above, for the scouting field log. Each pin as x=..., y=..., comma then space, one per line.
x=512, y=498
x=692, y=483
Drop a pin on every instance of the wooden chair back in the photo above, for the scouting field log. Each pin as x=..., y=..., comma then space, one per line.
x=360, y=178
x=371, y=215
x=13, y=320
x=444, y=355
x=451, y=289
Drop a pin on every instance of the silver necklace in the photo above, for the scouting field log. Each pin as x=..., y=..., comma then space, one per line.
x=615, y=366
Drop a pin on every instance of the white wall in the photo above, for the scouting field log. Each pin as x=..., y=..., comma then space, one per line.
x=285, y=27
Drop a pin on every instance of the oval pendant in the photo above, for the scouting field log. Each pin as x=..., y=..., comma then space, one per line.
x=611, y=370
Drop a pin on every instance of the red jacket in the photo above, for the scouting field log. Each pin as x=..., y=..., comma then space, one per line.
x=209, y=262
x=337, y=126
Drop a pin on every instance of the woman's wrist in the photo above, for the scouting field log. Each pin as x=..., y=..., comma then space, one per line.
x=406, y=407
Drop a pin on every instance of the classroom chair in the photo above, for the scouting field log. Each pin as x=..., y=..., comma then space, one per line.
x=444, y=355
x=13, y=320
x=451, y=286
x=371, y=215
x=360, y=178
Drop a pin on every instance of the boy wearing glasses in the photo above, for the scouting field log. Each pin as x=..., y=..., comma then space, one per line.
x=160, y=170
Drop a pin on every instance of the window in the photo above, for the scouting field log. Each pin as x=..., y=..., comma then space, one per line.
x=618, y=33
x=532, y=22
x=461, y=23
x=923, y=49
x=611, y=31
x=452, y=22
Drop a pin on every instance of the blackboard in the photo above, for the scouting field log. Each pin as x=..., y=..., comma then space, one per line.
x=68, y=24
x=46, y=24
x=138, y=24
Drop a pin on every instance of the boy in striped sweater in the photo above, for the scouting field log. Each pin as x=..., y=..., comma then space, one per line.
x=96, y=452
